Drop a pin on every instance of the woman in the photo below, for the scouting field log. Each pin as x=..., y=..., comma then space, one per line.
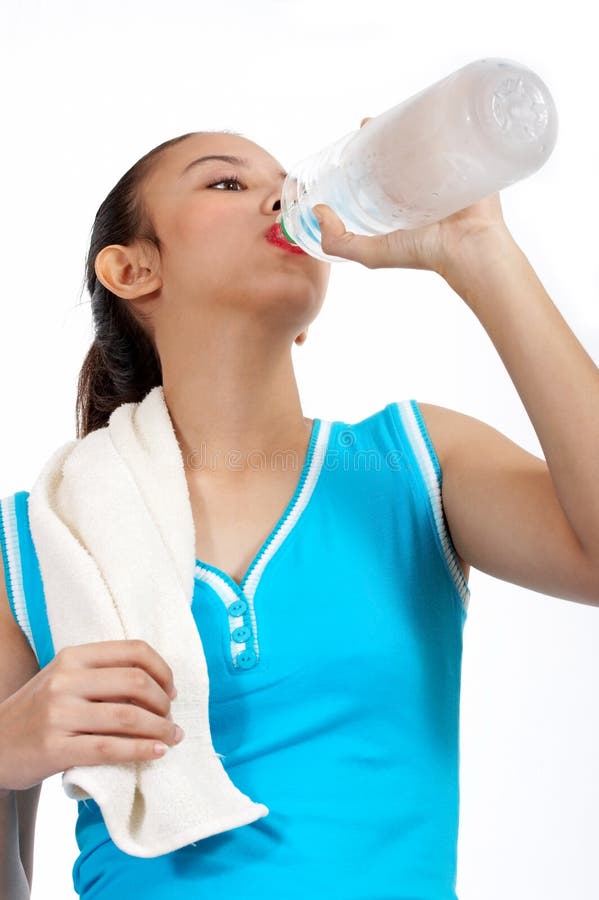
x=330, y=596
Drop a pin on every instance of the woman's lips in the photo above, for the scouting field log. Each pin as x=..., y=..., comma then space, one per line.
x=275, y=236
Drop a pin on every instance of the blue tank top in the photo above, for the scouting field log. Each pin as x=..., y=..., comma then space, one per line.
x=334, y=674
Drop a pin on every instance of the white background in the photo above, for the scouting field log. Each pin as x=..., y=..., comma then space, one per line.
x=88, y=89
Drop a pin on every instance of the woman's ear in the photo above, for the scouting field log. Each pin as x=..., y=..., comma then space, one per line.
x=301, y=337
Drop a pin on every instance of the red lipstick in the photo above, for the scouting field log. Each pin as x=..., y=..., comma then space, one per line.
x=275, y=236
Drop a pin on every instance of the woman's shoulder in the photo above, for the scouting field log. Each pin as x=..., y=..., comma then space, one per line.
x=440, y=422
x=18, y=662
x=22, y=586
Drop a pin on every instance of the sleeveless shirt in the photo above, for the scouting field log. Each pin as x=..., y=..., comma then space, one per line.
x=334, y=672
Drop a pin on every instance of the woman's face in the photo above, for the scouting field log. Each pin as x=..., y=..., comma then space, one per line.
x=214, y=248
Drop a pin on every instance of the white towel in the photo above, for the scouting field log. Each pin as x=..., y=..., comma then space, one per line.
x=112, y=525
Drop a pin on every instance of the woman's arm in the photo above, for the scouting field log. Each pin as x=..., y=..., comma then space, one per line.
x=18, y=664
x=13, y=880
x=27, y=803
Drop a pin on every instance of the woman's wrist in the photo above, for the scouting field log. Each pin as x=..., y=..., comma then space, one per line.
x=479, y=260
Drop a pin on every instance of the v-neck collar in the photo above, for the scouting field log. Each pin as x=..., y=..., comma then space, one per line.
x=309, y=475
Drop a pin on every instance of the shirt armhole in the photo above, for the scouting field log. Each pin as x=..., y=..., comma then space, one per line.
x=23, y=577
x=432, y=477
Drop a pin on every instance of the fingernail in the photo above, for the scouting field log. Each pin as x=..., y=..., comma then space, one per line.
x=170, y=717
x=174, y=693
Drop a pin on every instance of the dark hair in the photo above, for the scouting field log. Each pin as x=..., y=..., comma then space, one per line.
x=122, y=364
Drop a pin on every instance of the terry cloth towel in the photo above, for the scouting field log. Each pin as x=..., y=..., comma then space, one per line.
x=112, y=525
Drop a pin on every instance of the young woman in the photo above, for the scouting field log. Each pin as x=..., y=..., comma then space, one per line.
x=331, y=594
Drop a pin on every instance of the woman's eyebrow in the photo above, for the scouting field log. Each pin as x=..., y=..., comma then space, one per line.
x=235, y=160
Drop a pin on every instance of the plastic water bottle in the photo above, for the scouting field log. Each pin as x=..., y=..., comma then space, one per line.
x=480, y=129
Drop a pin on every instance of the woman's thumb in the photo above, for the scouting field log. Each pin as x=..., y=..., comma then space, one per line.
x=332, y=228
x=335, y=240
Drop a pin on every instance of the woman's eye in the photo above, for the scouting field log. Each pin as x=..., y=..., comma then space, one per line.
x=231, y=180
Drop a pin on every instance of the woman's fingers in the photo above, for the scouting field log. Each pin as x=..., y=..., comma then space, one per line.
x=79, y=717
x=131, y=652
x=125, y=685
x=102, y=702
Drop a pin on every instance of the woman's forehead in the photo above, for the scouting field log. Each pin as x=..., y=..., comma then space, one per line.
x=199, y=145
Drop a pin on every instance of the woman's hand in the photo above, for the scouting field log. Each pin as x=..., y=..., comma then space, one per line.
x=435, y=247
x=55, y=720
